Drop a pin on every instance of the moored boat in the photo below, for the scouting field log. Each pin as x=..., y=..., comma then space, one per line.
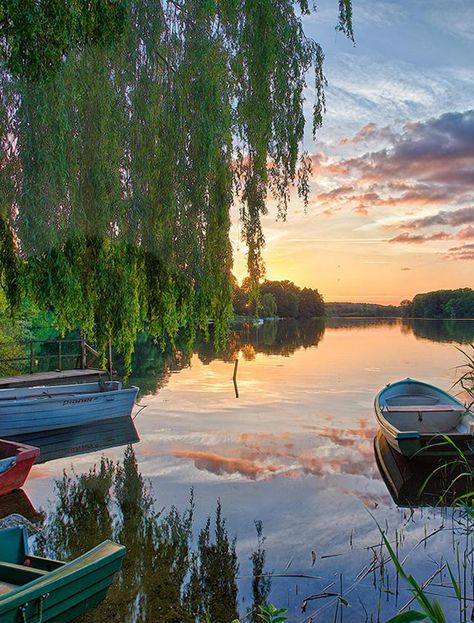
x=35, y=409
x=16, y=460
x=40, y=589
x=417, y=418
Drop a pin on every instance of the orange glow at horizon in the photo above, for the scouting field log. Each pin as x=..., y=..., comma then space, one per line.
x=350, y=259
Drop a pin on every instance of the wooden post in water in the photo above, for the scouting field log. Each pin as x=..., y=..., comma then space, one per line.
x=60, y=347
x=31, y=356
x=83, y=354
x=109, y=359
x=234, y=378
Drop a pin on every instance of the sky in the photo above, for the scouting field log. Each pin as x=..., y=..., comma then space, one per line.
x=391, y=208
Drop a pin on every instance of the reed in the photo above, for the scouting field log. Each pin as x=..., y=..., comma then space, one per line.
x=466, y=380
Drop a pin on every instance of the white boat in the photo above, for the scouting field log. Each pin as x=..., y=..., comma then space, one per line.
x=416, y=417
x=34, y=409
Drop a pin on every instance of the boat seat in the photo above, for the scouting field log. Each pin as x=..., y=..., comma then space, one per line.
x=20, y=574
x=425, y=408
x=6, y=587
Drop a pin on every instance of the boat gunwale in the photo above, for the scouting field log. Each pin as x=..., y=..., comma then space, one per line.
x=23, y=451
x=57, y=398
x=35, y=588
x=396, y=433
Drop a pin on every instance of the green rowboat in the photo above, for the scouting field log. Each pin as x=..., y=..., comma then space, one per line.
x=35, y=589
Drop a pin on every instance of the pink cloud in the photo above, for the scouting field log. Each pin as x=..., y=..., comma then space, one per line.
x=466, y=234
x=464, y=252
x=420, y=238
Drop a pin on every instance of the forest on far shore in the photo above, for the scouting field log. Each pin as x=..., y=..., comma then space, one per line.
x=284, y=299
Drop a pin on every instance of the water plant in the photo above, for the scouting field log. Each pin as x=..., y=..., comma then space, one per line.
x=466, y=380
x=272, y=614
x=430, y=610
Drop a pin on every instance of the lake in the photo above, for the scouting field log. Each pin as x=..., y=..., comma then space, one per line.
x=294, y=450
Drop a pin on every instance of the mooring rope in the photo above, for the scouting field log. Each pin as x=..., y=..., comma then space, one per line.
x=40, y=611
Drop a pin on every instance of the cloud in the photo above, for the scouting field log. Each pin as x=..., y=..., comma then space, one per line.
x=463, y=234
x=266, y=455
x=455, y=18
x=420, y=238
x=440, y=150
x=424, y=164
x=466, y=234
x=462, y=216
x=219, y=464
x=370, y=131
x=464, y=252
x=328, y=212
x=323, y=164
x=361, y=210
x=335, y=194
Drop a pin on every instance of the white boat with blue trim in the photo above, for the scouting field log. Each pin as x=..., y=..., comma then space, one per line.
x=419, y=418
x=34, y=409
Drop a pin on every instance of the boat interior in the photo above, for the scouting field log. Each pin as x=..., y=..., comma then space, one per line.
x=415, y=406
x=8, y=450
x=8, y=454
x=17, y=567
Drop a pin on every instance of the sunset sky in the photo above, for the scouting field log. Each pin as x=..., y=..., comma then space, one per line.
x=392, y=196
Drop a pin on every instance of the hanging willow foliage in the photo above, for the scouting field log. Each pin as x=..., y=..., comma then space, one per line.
x=119, y=167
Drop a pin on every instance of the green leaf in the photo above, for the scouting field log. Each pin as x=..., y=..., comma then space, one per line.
x=457, y=588
x=408, y=617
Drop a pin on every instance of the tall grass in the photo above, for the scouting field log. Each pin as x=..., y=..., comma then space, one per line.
x=466, y=380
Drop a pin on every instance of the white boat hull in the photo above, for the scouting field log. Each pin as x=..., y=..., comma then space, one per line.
x=54, y=410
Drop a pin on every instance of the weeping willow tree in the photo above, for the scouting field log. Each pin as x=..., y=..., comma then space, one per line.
x=122, y=158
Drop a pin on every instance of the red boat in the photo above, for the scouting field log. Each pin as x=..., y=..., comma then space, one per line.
x=16, y=460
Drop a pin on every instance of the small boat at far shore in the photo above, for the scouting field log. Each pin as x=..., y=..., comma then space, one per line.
x=416, y=417
x=16, y=460
x=35, y=409
x=41, y=589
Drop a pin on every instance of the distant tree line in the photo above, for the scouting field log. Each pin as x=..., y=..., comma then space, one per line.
x=283, y=299
x=349, y=310
x=287, y=300
x=440, y=304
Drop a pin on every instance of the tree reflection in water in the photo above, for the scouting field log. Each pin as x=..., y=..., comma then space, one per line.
x=163, y=579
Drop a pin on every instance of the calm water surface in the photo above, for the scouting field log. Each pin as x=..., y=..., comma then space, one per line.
x=294, y=450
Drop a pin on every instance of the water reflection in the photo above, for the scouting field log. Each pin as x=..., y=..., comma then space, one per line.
x=166, y=575
x=260, y=456
x=459, y=331
x=360, y=323
x=153, y=367
x=19, y=504
x=271, y=338
x=417, y=482
x=76, y=440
